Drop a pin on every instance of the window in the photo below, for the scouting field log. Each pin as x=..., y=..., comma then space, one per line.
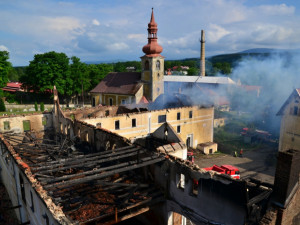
x=190, y=114
x=178, y=129
x=158, y=65
x=162, y=118
x=94, y=102
x=146, y=65
x=123, y=102
x=195, y=187
x=295, y=110
x=133, y=122
x=32, y=204
x=6, y=125
x=180, y=181
x=44, y=121
x=117, y=125
x=110, y=101
x=46, y=219
x=26, y=125
x=22, y=189
x=178, y=116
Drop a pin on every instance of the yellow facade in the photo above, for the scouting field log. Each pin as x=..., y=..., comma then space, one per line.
x=194, y=123
x=290, y=125
x=153, y=76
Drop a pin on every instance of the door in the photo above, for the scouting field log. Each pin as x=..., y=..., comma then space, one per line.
x=189, y=141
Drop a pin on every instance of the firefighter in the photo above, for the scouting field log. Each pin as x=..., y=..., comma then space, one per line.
x=235, y=154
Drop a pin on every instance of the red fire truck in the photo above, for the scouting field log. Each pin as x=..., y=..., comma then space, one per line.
x=226, y=169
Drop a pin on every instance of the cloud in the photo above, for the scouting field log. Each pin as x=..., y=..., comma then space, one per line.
x=216, y=32
x=3, y=48
x=96, y=22
x=281, y=9
x=141, y=38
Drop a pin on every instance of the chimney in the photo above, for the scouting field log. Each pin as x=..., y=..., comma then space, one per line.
x=202, y=54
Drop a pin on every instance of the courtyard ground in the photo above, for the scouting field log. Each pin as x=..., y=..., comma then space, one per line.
x=258, y=164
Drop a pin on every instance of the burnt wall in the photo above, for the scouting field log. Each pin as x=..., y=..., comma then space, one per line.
x=286, y=176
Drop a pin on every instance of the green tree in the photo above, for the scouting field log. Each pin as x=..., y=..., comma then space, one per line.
x=47, y=70
x=5, y=67
x=222, y=67
x=192, y=71
x=79, y=76
x=97, y=72
x=42, y=107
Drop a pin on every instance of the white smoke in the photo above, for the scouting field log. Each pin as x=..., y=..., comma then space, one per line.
x=277, y=74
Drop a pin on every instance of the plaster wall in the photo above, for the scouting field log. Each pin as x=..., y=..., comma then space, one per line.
x=200, y=125
x=290, y=127
x=38, y=122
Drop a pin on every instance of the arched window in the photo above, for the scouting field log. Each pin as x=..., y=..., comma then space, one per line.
x=146, y=65
x=158, y=65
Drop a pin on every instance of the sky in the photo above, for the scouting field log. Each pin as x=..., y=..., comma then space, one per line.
x=112, y=30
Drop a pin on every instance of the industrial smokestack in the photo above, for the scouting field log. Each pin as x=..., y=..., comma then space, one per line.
x=202, y=54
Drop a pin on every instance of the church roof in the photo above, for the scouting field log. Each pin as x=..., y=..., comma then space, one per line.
x=127, y=83
x=199, y=79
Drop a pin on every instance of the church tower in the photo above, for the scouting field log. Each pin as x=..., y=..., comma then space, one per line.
x=152, y=64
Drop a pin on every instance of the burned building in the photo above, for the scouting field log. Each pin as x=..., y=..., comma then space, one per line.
x=69, y=169
x=107, y=164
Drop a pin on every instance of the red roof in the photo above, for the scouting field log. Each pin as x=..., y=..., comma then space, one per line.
x=13, y=87
x=143, y=100
x=127, y=83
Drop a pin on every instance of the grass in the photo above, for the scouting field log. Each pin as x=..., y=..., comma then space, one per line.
x=20, y=112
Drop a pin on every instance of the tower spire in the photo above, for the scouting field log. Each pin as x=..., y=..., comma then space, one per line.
x=152, y=48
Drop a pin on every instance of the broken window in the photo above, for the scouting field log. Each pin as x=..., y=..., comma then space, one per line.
x=44, y=121
x=162, y=118
x=26, y=125
x=180, y=182
x=133, y=122
x=6, y=125
x=190, y=114
x=195, y=187
x=32, y=204
x=178, y=116
x=178, y=129
x=117, y=124
x=22, y=189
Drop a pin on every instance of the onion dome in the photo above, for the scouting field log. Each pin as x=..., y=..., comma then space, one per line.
x=152, y=48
